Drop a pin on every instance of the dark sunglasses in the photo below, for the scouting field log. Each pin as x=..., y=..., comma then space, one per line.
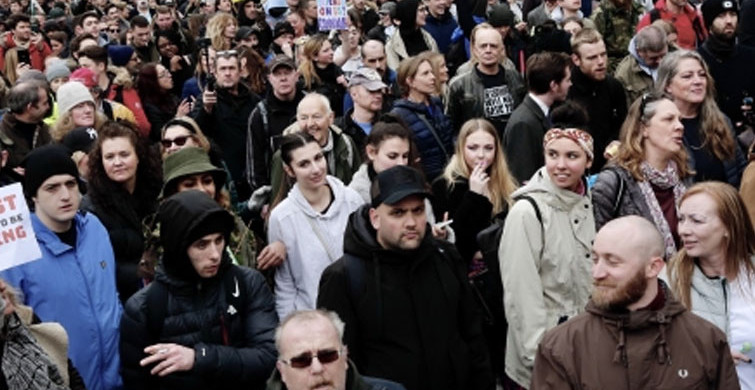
x=179, y=141
x=114, y=30
x=304, y=360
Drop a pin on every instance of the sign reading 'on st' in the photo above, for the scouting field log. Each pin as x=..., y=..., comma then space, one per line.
x=331, y=15
x=18, y=244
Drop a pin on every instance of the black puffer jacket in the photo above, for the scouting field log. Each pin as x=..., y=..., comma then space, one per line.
x=197, y=314
x=410, y=316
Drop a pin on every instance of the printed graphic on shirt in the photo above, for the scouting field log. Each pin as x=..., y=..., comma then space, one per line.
x=498, y=102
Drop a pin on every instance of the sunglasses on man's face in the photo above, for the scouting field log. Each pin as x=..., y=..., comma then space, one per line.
x=179, y=141
x=304, y=360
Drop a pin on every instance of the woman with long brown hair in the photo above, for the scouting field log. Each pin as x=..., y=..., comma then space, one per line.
x=708, y=133
x=714, y=272
x=648, y=176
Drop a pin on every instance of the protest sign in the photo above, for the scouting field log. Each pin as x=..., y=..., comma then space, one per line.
x=331, y=15
x=18, y=244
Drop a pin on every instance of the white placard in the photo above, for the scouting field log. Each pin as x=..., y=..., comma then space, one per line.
x=18, y=244
x=331, y=15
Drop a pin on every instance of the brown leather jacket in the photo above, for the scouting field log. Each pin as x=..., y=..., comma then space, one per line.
x=670, y=348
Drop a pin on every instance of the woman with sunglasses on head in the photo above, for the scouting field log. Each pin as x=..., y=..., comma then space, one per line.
x=155, y=84
x=310, y=222
x=204, y=323
x=545, y=249
x=713, y=274
x=650, y=172
x=125, y=176
x=712, y=149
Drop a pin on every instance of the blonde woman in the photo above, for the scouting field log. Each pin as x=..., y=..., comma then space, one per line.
x=221, y=29
x=320, y=74
x=476, y=185
x=713, y=274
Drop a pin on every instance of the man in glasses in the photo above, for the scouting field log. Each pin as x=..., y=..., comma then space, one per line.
x=203, y=323
x=311, y=355
x=407, y=303
x=222, y=113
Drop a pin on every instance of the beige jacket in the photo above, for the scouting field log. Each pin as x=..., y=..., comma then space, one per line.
x=546, y=268
x=395, y=50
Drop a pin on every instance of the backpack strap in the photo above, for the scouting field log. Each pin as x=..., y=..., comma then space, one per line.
x=261, y=108
x=619, y=196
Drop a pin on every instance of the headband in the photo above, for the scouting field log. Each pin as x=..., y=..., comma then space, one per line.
x=581, y=137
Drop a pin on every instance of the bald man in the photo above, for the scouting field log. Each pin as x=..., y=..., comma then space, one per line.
x=634, y=334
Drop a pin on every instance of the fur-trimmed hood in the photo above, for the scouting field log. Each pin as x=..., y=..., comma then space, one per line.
x=119, y=75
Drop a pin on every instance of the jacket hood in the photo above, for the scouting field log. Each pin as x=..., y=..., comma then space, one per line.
x=301, y=202
x=406, y=12
x=185, y=217
x=541, y=184
x=120, y=76
x=620, y=321
x=633, y=52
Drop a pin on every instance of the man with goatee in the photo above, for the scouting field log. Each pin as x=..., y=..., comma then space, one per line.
x=634, y=333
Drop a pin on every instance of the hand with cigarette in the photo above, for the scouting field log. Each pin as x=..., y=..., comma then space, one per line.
x=170, y=358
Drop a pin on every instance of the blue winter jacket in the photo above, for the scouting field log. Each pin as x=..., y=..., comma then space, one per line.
x=441, y=29
x=76, y=288
x=435, y=145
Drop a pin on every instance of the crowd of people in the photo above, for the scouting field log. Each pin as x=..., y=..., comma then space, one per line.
x=439, y=194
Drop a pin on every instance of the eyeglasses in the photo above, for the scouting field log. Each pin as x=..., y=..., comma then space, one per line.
x=227, y=53
x=179, y=141
x=304, y=360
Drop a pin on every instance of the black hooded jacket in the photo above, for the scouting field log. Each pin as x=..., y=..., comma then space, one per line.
x=409, y=315
x=197, y=313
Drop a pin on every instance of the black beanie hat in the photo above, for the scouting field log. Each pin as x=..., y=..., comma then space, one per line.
x=406, y=12
x=712, y=8
x=44, y=162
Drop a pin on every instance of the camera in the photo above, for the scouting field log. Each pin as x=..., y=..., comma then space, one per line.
x=204, y=44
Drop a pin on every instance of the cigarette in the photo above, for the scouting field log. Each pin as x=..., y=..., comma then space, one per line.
x=442, y=225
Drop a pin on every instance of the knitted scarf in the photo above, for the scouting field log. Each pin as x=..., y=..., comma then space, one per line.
x=25, y=365
x=664, y=180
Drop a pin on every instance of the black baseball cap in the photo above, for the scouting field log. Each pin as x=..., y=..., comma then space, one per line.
x=394, y=184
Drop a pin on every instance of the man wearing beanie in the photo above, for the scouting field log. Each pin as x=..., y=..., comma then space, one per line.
x=73, y=283
x=22, y=128
x=729, y=62
x=204, y=323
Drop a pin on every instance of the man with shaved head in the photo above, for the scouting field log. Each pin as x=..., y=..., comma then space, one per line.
x=634, y=333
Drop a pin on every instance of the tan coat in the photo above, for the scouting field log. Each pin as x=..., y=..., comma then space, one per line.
x=546, y=269
x=633, y=78
x=395, y=50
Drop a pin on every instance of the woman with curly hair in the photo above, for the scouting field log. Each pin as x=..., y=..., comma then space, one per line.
x=708, y=133
x=125, y=180
x=648, y=175
x=320, y=74
x=221, y=29
x=155, y=84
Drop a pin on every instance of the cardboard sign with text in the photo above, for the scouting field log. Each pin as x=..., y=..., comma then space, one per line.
x=331, y=15
x=18, y=244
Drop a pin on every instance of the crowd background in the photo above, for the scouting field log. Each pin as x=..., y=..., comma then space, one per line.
x=556, y=115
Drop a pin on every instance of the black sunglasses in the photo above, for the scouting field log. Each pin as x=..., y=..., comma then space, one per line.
x=304, y=360
x=179, y=141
